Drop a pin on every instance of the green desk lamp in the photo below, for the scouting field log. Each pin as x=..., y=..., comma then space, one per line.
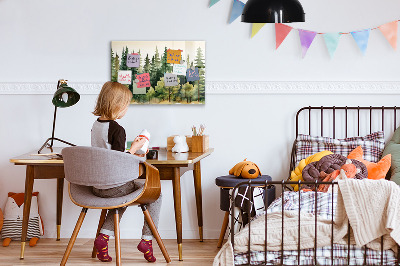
x=65, y=96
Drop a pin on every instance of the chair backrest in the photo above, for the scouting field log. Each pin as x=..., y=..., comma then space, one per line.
x=91, y=166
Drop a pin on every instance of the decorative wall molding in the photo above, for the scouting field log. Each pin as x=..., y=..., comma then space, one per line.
x=233, y=87
x=304, y=87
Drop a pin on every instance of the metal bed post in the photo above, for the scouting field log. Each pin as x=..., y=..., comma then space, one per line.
x=346, y=121
x=315, y=223
x=283, y=210
x=333, y=189
x=358, y=121
x=322, y=121
x=298, y=240
x=266, y=221
x=249, y=220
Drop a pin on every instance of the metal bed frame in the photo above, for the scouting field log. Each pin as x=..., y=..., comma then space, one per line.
x=283, y=184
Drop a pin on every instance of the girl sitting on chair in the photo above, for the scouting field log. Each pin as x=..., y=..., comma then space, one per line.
x=112, y=104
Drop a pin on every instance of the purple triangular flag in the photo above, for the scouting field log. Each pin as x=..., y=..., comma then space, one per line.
x=306, y=39
x=237, y=9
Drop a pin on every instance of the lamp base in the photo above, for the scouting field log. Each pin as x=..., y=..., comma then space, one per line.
x=50, y=146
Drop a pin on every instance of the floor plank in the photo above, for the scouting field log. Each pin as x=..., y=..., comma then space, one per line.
x=49, y=252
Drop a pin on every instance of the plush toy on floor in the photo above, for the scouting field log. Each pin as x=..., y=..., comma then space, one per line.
x=245, y=169
x=13, y=215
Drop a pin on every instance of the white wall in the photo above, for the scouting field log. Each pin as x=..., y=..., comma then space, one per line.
x=42, y=41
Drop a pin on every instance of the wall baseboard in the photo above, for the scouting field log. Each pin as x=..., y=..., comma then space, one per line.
x=231, y=87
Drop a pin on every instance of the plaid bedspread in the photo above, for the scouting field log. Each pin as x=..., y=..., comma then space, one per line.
x=324, y=257
x=307, y=202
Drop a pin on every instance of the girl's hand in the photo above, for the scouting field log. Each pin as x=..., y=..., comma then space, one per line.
x=142, y=155
x=137, y=144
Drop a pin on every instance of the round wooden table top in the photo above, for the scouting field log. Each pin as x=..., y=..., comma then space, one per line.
x=1, y=219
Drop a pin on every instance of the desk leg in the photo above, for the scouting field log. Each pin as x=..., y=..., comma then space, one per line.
x=199, y=204
x=176, y=182
x=60, y=190
x=27, y=206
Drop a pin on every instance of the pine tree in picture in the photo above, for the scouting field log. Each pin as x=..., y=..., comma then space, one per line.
x=200, y=63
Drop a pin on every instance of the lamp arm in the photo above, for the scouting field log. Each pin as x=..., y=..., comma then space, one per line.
x=54, y=126
x=54, y=118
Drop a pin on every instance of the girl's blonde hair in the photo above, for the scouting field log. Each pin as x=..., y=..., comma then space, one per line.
x=112, y=99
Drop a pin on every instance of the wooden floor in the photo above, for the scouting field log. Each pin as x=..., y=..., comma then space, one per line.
x=50, y=252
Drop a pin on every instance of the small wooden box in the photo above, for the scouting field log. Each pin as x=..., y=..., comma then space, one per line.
x=200, y=143
x=171, y=143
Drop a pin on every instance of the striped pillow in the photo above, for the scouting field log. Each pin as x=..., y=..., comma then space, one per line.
x=372, y=145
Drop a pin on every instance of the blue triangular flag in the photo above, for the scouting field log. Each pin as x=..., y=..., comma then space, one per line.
x=237, y=9
x=213, y=2
x=332, y=41
x=361, y=37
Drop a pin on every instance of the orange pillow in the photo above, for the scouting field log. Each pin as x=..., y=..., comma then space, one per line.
x=375, y=170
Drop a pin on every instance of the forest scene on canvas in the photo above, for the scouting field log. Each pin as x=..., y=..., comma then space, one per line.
x=160, y=72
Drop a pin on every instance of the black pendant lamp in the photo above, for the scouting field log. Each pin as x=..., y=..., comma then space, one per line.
x=273, y=11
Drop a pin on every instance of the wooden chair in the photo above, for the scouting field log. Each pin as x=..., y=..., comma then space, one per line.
x=85, y=167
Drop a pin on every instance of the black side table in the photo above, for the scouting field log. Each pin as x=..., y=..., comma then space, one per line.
x=226, y=183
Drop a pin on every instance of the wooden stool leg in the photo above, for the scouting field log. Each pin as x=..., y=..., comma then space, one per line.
x=101, y=222
x=223, y=229
x=117, y=239
x=154, y=230
x=73, y=237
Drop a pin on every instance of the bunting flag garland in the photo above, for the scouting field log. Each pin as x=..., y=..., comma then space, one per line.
x=281, y=31
x=332, y=41
x=389, y=30
x=213, y=2
x=361, y=37
x=256, y=27
x=306, y=39
x=237, y=9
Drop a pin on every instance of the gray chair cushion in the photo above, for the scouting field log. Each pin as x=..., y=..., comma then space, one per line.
x=84, y=196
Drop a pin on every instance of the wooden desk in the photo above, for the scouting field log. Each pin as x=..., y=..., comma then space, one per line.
x=171, y=167
x=40, y=167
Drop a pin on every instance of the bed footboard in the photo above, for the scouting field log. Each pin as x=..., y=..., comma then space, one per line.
x=311, y=259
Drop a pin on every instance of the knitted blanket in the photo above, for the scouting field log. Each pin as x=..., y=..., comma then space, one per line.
x=274, y=235
x=371, y=207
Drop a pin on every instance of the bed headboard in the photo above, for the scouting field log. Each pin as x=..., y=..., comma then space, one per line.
x=344, y=121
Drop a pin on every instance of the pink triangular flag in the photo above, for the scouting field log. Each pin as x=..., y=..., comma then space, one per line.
x=389, y=30
x=306, y=39
x=281, y=31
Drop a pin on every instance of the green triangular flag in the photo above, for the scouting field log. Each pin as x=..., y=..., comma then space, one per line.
x=213, y=2
x=256, y=28
x=332, y=41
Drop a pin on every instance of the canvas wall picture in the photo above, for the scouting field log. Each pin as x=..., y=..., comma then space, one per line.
x=161, y=72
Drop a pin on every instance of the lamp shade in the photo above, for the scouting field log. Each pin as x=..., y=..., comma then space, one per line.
x=65, y=96
x=273, y=11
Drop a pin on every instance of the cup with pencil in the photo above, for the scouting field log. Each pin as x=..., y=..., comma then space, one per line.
x=199, y=140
